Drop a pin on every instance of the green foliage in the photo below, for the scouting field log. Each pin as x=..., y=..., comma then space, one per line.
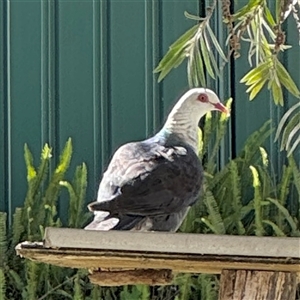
x=24, y=279
x=290, y=130
x=242, y=197
x=255, y=25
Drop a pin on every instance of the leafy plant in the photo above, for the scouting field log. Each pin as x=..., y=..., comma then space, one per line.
x=243, y=197
x=255, y=25
x=24, y=279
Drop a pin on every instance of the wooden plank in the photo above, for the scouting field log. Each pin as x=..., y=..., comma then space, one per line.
x=178, y=263
x=129, y=277
x=173, y=243
x=246, y=284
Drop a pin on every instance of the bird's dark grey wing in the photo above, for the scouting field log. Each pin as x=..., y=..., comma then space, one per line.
x=145, y=179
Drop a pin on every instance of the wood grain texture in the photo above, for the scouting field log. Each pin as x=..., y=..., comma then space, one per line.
x=129, y=277
x=262, y=285
x=177, y=262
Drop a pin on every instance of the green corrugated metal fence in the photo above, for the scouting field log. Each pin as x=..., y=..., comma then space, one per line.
x=84, y=69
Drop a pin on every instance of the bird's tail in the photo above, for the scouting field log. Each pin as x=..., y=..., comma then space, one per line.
x=100, y=206
x=102, y=221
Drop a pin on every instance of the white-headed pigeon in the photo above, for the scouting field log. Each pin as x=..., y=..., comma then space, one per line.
x=150, y=185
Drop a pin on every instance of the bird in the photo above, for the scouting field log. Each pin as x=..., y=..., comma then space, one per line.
x=150, y=185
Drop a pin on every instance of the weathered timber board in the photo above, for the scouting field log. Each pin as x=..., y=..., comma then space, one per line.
x=164, y=242
x=185, y=263
x=265, y=285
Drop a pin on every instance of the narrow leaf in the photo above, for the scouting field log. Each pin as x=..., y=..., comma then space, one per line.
x=215, y=42
x=204, y=52
x=286, y=79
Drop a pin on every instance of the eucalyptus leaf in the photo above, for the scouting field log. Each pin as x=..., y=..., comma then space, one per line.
x=269, y=16
x=204, y=52
x=284, y=119
x=177, y=47
x=277, y=93
x=211, y=55
x=215, y=42
x=286, y=79
x=200, y=68
x=193, y=17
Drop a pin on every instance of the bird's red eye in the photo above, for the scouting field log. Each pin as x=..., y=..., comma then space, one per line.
x=203, y=98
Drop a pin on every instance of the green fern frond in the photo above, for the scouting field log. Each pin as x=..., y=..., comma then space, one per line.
x=284, y=185
x=52, y=191
x=255, y=141
x=16, y=279
x=259, y=230
x=80, y=185
x=184, y=282
x=42, y=170
x=293, y=223
x=235, y=193
x=214, y=220
x=276, y=229
x=32, y=271
x=78, y=295
x=296, y=173
x=72, y=203
x=219, y=135
x=96, y=293
x=77, y=192
x=3, y=240
x=65, y=158
x=2, y=284
x=17, y=226
x=31, y=172
x=209, y=286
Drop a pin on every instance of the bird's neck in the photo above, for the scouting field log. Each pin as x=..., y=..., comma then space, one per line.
x=183, y=124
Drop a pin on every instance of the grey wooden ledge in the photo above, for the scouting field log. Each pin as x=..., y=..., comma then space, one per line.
x=179, y=252
x=173, y=242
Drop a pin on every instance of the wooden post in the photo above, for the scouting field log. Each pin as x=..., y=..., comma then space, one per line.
x=263, y=285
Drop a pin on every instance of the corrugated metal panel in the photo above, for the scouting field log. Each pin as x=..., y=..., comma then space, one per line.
x=82, y=69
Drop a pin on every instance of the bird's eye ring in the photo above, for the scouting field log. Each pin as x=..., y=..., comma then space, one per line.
x=203, y=98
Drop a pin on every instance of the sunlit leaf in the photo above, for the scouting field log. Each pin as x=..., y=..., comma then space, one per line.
x=171, y=61
x=256, y=88
x=246, y=9
x=255, y=73
x=277, y=93
x=176, y=54
x=286, y=79
x=269, y=17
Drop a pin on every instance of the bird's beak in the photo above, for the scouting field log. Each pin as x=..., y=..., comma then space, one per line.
x=221, y=107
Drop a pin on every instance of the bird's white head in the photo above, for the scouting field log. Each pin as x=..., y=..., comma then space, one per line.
x=198, y=102
x=184, y=118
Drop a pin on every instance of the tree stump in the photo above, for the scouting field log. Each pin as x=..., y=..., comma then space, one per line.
x=263, y=285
